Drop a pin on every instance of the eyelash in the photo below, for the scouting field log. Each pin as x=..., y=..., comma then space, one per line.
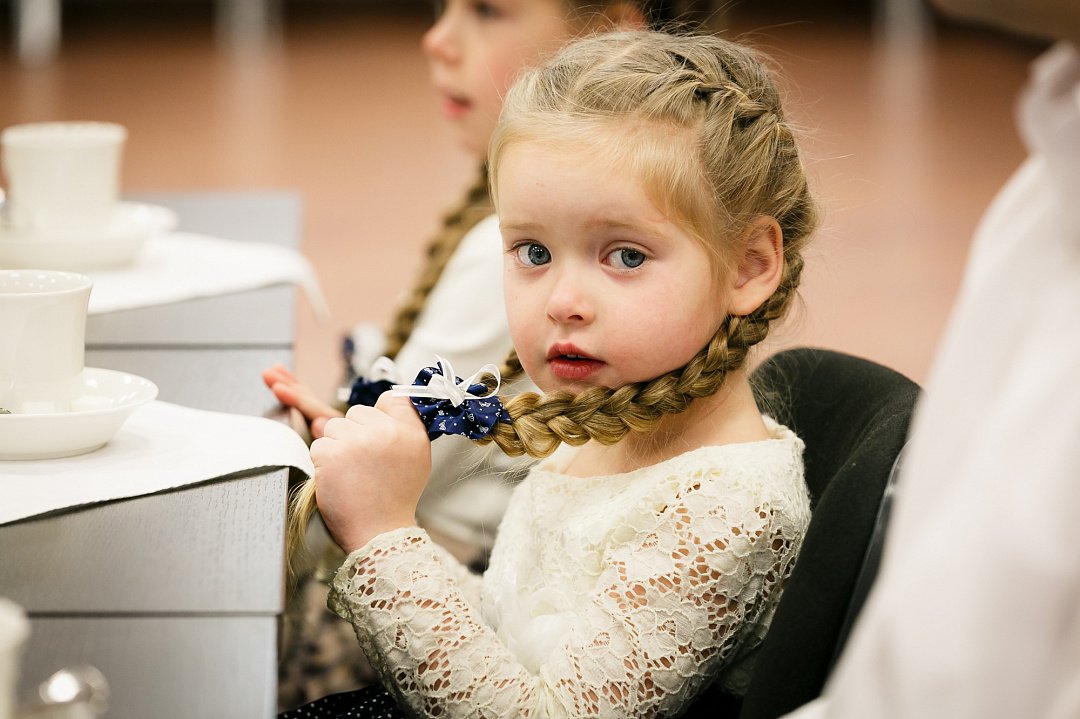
x=482, y=9
x=486, y=10
x=517, y=252
x=625, y=266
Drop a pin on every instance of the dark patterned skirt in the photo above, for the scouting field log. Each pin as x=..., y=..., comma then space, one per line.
x=372, y=702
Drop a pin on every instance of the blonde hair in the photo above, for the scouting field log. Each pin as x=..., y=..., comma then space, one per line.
x=706, y=133
x=699, y=120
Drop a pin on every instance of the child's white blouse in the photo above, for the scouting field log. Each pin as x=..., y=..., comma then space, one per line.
x=609, y=596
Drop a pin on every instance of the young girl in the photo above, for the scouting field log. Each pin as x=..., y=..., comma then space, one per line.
x=653, y=207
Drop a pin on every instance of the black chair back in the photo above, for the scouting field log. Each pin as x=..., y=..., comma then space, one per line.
x=854, y=416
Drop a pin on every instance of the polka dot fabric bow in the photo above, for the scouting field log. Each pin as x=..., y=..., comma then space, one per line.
x=449, y=405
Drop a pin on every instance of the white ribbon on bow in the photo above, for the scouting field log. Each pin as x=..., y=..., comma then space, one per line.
x=443, y=387
x=383, y=369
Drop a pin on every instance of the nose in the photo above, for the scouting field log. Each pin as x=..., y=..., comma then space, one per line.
x=439, y=42
x=569, y=301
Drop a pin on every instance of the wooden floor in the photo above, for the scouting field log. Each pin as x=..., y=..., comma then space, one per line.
x=907, y=145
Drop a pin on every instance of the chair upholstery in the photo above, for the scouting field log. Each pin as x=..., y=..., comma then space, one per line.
x=853, y=415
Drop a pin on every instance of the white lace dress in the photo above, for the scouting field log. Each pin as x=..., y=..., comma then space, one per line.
x=610, y=596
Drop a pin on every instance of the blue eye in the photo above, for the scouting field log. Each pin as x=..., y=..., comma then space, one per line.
x=533, y=254
x=627, y=258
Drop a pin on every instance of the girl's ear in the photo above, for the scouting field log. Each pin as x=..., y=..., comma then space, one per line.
x=625, y=16
x=760, y=265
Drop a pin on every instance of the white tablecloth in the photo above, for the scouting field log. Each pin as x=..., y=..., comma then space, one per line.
x=162, y=446
x=182, y=266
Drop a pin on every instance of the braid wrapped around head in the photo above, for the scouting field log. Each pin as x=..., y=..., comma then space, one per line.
x=700, y=121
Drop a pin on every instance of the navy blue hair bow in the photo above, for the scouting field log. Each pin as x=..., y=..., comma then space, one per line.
x=449, y=405
x=366, y=391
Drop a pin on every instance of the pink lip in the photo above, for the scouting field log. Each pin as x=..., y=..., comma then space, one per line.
x=451, y=104
x=567, y=362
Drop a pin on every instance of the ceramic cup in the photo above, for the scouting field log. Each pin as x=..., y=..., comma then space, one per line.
x=14, y=629
x=61, y=176
x=42, y=339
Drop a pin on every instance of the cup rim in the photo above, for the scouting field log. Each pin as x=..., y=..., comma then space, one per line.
x=73, y=282
x=30, y=134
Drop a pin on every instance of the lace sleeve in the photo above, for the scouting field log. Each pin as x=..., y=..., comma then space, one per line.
x=467, y=581
x=672, y=603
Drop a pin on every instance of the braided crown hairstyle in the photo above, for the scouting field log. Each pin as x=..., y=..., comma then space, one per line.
x=699, y=119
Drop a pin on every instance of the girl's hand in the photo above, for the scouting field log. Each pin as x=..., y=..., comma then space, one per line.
x=370, y=468
x=291, y=392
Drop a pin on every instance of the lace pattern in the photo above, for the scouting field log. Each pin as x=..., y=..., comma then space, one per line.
x=617, y=596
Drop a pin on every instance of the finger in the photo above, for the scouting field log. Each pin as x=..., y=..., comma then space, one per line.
x=277, y=373
x=299, y=396
x=286, y=373
x=400, y=408
x=362, y=414
x=318, y=449
x=318, y=426
x=333, y=428
x=284, y=392
x=272, y=375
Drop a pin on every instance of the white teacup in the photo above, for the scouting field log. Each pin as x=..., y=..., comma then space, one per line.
x=61, y=176
x=42, y=339
x=14, y=629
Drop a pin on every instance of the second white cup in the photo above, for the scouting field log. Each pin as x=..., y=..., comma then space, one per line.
x=61, y=176
x=42, y=339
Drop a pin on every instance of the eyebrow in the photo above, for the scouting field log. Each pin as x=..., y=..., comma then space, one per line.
x=601, y=222
x=621, y=225
x=519, y=226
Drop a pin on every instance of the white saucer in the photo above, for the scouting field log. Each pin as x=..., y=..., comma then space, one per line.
x=114, y=245
x=63, y=434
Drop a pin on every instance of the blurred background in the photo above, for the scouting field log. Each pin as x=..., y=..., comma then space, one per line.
x=907, y=117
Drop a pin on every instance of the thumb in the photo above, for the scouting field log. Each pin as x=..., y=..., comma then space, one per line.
x=399, y=408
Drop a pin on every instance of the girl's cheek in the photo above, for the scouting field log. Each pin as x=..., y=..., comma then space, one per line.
x=520, y=323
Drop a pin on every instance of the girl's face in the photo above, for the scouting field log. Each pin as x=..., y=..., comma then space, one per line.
x=602, y=289
x=476, y=49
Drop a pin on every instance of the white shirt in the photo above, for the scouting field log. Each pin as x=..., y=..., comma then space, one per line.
x=976, y=611
x=463, y=320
